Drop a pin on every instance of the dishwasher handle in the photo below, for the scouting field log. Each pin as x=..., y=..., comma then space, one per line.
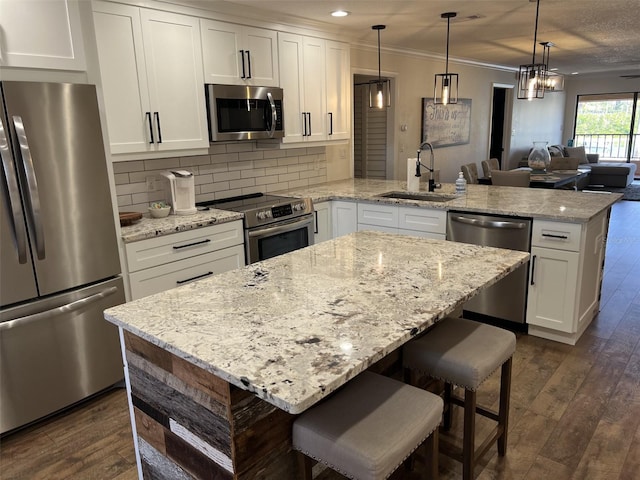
x=476, y=222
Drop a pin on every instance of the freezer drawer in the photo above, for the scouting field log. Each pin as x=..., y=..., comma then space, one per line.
x=57, y=351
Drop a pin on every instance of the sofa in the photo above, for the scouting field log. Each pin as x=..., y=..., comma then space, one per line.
x=605, y=174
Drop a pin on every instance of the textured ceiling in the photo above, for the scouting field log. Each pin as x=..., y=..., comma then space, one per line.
x=590, y=36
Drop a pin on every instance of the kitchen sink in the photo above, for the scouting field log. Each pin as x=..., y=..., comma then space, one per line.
x=423, y=196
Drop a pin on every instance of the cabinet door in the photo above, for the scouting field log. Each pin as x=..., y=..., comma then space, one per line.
x=44, y=34
x=290, y=65
x=323, y=229
x=338, y=91
x=344, y=217
x=173, y=57
x=261, y=54
x=551, y=301
x=221, y=45
x=124, y=76
x=314, y=88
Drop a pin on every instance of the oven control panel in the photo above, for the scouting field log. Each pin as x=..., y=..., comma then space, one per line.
x=283, y=211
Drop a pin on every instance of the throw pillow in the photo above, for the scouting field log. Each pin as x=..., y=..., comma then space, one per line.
x=556, y=151
x=577, y=152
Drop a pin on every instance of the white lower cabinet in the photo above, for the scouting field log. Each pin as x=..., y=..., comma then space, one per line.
x=565, y=278
x=322, y=228
x=422, y=222
x=165, y=262
x=344, y=218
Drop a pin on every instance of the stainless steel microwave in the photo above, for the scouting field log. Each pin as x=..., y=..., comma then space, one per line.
x=237, y=112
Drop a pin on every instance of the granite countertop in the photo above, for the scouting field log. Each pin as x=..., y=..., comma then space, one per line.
x=294, y=328
x=149, y=227
x=541, y=203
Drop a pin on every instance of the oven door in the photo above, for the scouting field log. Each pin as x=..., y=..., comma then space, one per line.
x=278, y=238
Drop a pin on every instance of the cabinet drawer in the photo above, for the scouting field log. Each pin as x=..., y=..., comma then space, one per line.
x=422, y=220
x=561, y=236
x=164, y=277
x=379, y=215
x=178, y=246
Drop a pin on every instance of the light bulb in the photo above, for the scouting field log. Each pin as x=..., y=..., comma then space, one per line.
x=380, y=96
x=531, y=88
x=445, y=95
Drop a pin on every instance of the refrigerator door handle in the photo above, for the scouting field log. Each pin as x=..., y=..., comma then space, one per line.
x=32, y=186
x=8, y=165
x=69, y=307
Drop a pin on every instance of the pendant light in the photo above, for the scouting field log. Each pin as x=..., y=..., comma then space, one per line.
x=379, y=92
x=546, y=53
x=531, y=76
x=445, y=89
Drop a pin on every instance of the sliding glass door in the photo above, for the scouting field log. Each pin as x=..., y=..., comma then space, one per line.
x=608, y=124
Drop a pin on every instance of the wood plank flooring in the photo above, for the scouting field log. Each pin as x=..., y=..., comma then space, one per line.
x=575, y=411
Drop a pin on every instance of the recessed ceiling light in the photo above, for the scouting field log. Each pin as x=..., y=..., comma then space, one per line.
x=574, y=73
x=340, y=13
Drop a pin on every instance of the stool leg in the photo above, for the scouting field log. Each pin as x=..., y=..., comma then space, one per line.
x=468, y=437
x=431, y=445
x=503, y=412
x=304, y=466
x=448, y=406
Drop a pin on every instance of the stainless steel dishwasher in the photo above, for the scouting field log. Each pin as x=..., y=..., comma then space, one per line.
x=506, y=300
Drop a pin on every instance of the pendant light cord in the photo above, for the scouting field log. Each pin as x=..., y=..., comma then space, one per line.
x=379, y=74
x=446, y=65
x=535, y=33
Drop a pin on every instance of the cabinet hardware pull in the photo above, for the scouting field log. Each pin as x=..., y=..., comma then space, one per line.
x=178, y=247
x=179, y=282
x=244, y=73
x=533, y=269
x=157, y=115
x=249, y=63
x=309, y=113
x=315, y=230
x=330, y=123
x=148, y=114
x=551, y=235
x=304, y=124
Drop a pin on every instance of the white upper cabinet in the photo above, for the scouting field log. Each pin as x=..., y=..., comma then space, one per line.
x=314, y=74
x=239, y=55
x=42, y=34
x=152, y=79
x=338, y=90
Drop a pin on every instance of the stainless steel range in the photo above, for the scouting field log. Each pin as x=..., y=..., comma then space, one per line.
x=273, y=224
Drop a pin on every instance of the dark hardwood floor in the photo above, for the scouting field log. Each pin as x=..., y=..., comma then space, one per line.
x=575, y=411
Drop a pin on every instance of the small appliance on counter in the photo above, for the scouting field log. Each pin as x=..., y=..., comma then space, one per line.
x=180, y=190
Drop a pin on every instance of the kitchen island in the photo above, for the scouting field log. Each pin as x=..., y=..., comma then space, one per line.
x=217, y=369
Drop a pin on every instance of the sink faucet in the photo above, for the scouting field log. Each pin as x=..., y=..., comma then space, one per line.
x=432, y=182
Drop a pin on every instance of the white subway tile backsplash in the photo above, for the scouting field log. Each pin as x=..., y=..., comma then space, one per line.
x=230, y=169
x=124, y=167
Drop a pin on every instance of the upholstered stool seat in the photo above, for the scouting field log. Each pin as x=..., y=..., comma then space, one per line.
x=465, y=353
x=369, y=427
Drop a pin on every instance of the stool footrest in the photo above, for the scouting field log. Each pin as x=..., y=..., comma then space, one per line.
x=485, y=412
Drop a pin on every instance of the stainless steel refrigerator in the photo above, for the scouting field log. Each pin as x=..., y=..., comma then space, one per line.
x=59, y=259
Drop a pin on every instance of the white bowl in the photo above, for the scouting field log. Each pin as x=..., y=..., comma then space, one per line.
x=159, y=212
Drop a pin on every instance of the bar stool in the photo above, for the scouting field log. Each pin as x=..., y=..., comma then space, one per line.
x=368, y=428
x=465, y=353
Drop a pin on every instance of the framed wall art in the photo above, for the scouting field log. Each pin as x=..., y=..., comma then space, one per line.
x=446, y=125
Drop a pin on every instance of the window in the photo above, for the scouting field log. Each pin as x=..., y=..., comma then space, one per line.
x=608, y=124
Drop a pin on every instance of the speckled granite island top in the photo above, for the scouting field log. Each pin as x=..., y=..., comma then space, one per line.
x=154, y=227
x=294, y=328
x=542, y=203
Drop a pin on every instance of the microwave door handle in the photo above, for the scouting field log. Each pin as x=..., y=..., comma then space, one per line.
x=32, y=186
x=274, y=115
x=8, y=165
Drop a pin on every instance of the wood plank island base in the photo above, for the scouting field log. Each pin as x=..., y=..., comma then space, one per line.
x=217, y=369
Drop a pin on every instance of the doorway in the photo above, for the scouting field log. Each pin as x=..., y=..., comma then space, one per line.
x=371, y=130
x=499, y=136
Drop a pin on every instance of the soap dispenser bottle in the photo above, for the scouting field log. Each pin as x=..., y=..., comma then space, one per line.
x=461, y=184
